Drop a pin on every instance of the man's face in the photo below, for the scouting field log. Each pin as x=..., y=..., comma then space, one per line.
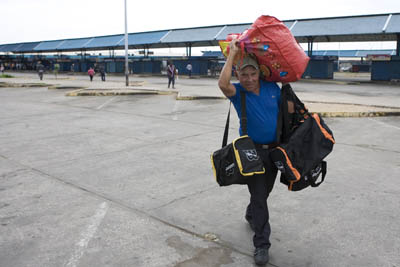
x=249, y=78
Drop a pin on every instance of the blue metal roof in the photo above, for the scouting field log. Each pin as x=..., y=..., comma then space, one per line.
x=104, y=42
x=339, y=26
x=9, y=47
x=393, y=24
x=205, y=34
x=144, y=38
x=48, y=45
x=26, y=47
x=228, y=29
x=74, y=44
x=381, y=27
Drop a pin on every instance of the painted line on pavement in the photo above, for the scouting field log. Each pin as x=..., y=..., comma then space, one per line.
x=106, y=103
x=87, y=235
x=175, y=110
x=385, y=124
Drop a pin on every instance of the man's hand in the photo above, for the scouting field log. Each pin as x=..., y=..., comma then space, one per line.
x=224, y=81
x=234, y=48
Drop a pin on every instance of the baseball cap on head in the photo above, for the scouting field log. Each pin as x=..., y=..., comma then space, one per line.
x=248, y=61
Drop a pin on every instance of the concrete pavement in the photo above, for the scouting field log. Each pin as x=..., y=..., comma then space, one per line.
x=126, y=180
x=348, y=95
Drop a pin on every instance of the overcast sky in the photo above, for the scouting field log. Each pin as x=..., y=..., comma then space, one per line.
x=38, y=20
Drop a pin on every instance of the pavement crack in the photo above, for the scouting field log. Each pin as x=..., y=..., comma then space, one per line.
x=182, y=198
x=127, y=207
x=371, y=147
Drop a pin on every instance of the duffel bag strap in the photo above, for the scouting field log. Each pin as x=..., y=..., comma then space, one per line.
x=225, y=139
x=243, y=118
x=323, y=171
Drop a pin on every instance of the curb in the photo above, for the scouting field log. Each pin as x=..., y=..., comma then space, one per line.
x=349, y=104
x=334, y=114
x=328, y=81
x=24, y=85
x=66, y=87
x=85, y=92
x=359, y=114
x=181, y=97
x=112, y=92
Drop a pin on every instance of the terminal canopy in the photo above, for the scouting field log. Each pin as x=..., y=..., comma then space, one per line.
x=380, y=27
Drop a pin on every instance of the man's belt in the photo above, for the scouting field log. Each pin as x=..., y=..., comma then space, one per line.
x=266, y=146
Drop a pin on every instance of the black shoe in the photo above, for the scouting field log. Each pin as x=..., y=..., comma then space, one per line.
x=261, y=256
x=250, y=221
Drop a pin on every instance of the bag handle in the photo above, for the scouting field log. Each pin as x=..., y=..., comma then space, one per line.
x=243, y=118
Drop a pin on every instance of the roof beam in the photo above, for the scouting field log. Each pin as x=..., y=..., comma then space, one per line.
x=386, y=23
x=219, y=32
x=291, y=27
x=165, y=35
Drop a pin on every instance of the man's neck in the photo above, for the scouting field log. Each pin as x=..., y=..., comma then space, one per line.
x=255, y=90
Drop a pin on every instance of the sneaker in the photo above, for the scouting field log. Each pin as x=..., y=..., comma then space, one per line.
x=261, y=256
x=250, y=221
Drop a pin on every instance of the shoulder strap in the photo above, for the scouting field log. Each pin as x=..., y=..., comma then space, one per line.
x=287, y=121
x=243, y=118
x=298, y=104
x=225, y=139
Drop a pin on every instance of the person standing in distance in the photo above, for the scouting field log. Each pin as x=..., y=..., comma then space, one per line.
x=91, y=73
x=189, y=69
x=2, y=68
x=56, y=69
x=171, y=73
x=102, y=71
x=262, y=107
x=40, y=70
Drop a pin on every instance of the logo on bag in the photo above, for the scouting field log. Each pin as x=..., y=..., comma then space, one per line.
x=230, y=169
x=251, y=154
x=316, y=171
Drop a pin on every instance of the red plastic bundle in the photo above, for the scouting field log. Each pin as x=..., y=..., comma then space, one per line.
x=280, y=57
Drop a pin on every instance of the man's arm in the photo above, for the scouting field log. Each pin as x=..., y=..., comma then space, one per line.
x=224, y=81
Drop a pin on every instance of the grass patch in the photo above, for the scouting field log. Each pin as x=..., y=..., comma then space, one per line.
x=6, y=76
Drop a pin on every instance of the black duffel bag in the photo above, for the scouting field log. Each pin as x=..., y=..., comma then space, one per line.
x=300, y=157
x=236, y=162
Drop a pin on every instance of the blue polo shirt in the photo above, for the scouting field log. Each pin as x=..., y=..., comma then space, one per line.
x=262, y=111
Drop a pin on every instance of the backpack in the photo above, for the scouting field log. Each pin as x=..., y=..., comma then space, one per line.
x=305, y=140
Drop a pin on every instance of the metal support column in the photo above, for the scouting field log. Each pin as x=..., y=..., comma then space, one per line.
x=310, y=45
x=126, y=49
x=189, y=50
x=398, y=45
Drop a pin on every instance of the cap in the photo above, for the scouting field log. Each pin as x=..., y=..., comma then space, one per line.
x=248, y=61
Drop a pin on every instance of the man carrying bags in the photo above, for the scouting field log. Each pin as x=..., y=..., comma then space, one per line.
x=262, y=101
